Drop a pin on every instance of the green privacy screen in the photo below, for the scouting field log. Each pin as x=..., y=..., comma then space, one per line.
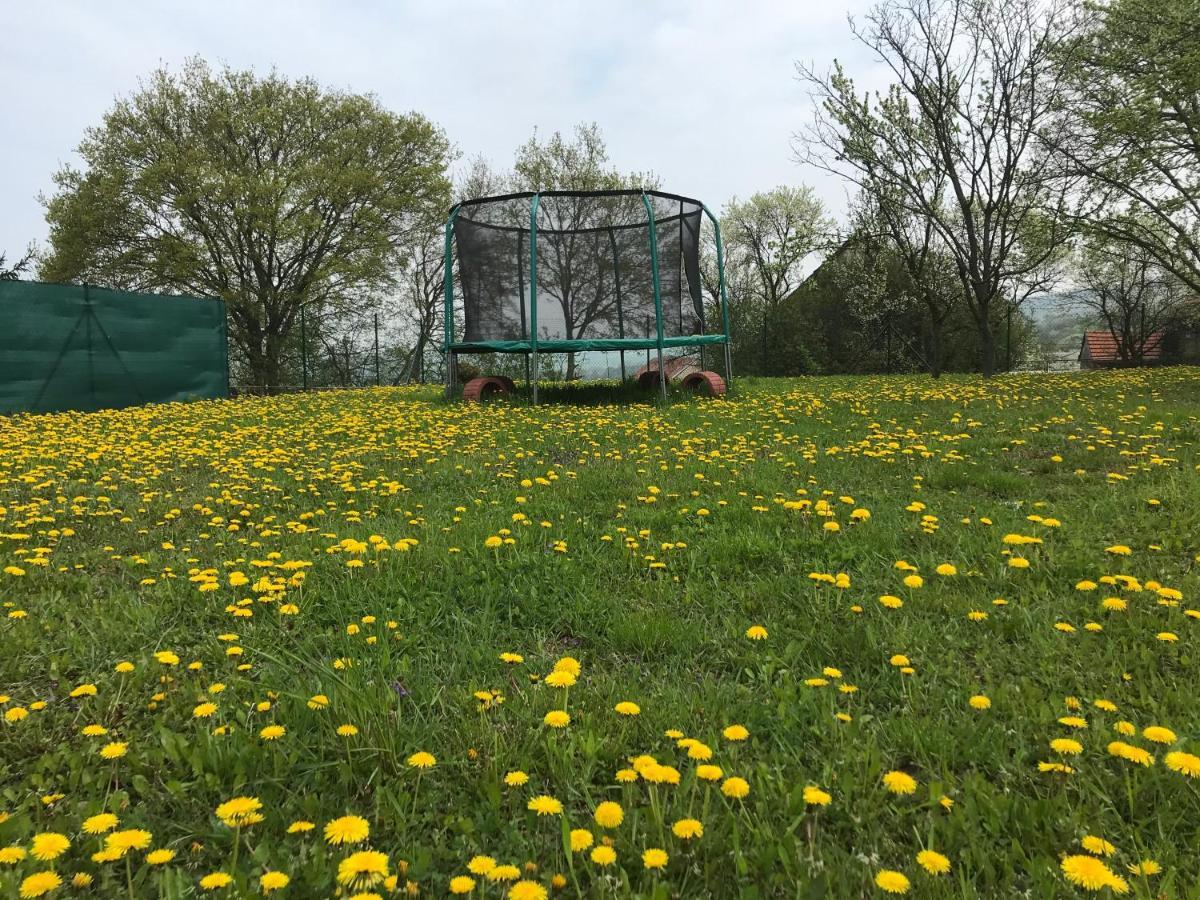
x=76, y=347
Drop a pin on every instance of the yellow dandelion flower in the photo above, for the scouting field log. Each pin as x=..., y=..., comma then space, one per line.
x=557, y=718
x=544, y=805
x=899, y=782
x=1087, y=872
x=735, y=788
x=347, y=830
x=481, y=865
x=39, y=884
x=272, y=881
x=100, y=823
x=48, y=845
x=814, y=796
x=1159, y=735
x=687, y=829
x=609, y=814
x=933, y=862
x=891, y=881
x=1184, y=763
x=364, y=868
x=214, y=881
x=422, y=760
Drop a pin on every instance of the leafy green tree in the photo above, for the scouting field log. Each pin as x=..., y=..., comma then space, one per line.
x=886, y=229
x=271, y=194
x=1130, y=128
x=768, y=239
x=580, y=163
x=860, y=312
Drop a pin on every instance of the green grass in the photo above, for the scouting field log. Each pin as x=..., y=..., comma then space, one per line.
x=126, y=508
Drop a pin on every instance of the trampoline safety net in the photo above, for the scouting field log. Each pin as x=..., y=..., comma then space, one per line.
x=594, y=271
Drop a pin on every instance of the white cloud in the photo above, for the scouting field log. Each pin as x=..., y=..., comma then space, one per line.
x=703, y=92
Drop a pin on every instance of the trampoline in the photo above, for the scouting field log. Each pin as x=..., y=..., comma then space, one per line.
x=579, y=271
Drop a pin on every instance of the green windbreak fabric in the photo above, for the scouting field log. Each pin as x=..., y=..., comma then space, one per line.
x=75, y=347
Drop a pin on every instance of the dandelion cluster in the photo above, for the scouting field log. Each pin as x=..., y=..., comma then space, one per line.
x=369, y=644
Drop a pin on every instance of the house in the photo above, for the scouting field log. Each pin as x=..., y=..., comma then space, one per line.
x=1099, y=350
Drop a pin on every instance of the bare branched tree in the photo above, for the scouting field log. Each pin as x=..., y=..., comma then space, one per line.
x=953, y=141
x=574, y=271
x=421, y=297
x=1125, y=287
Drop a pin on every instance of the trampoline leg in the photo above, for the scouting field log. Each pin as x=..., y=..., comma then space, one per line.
x=449, y=374
x=662, y=376
x=536, y=372
x=622, y=367
x=527, y=379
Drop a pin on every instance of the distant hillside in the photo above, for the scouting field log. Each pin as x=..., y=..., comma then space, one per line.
x=1058, y=321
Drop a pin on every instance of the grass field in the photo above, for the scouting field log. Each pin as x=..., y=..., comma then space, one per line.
x=826, y=638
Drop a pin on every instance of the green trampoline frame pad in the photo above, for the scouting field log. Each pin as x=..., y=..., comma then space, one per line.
x=578, y=346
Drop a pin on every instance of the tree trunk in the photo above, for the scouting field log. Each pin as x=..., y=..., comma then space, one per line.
x=256, y=362
x=935, y=349
x=987, y=347
x=416, y=361
x=264, y=371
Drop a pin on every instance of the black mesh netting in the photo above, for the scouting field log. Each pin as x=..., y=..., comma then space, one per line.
x=594, y=271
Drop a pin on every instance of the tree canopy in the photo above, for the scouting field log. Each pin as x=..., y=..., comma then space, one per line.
x=768, y=239
x=269, y=193
x=1129, y=128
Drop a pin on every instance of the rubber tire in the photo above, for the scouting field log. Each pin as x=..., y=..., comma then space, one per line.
x=705, y=382
x=487, y=386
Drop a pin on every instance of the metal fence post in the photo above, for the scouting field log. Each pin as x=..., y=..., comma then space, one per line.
x=1008, y=342
x=303, y=351
x=376, y=349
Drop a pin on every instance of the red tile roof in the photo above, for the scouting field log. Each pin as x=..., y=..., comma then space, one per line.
x=1101, y=346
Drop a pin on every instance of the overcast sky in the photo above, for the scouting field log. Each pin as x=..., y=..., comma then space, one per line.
x=702, y=92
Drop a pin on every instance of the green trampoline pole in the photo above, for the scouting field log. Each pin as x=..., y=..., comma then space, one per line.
x=658, y=313
x=448, y=301
x=721, y=289
x=533, y=304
